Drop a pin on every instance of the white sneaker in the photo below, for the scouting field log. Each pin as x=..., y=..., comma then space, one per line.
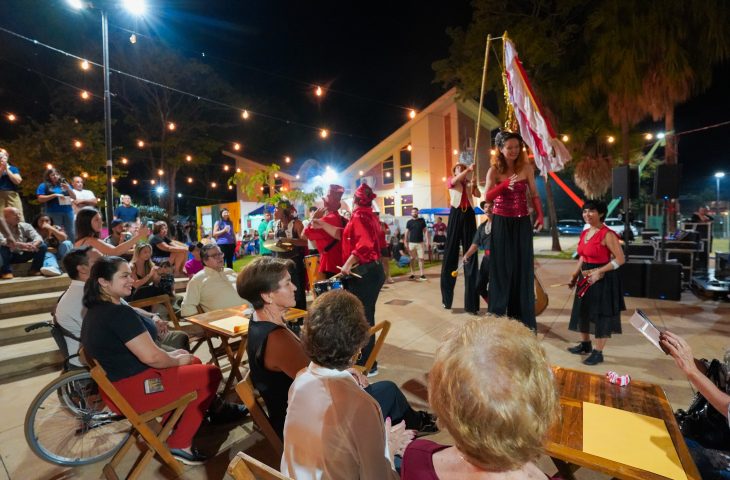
x=50, y=271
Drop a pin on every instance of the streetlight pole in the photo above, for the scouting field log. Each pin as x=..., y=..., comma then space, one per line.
x=107, y=118
x=718, y=176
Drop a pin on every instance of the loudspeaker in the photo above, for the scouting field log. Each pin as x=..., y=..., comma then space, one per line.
x=666, y=181
x=633, y=278
x=642, y=250
x=664, y=280
x=625, y=182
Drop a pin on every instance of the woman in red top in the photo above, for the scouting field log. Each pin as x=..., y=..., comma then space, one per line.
x=598, y=303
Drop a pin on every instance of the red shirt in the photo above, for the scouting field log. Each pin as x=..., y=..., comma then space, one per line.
x=593, y=251
x=362, y=237
x=331, y=259
x=464, y=203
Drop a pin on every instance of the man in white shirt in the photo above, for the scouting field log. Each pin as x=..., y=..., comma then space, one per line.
x=212, y=288
x=70, y=311
x=84, y=198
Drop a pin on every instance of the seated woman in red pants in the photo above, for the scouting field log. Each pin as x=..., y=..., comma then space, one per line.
x=116, y=337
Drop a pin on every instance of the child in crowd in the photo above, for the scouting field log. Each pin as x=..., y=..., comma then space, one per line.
x=194, y=265
x=167, y=278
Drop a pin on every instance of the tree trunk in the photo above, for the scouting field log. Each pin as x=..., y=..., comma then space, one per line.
x=173, y=192
x=552, y=215
x=670, y=151
x=625, y=158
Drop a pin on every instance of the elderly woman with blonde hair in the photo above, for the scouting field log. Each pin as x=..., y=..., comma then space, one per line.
x=492, y=388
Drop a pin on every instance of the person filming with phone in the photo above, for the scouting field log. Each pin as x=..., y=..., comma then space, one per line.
x=57, y=196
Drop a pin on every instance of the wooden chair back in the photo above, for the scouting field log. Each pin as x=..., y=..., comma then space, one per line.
x=153, y=432
x=383, y=327
x=247, y=393
x=244, y=467
x=197, y=337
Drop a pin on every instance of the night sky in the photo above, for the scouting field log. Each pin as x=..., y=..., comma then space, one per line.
x=373, y=58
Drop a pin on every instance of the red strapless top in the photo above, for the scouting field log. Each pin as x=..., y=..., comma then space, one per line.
x=512, y=203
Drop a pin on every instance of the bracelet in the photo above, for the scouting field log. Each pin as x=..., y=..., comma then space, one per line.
x=615, y=264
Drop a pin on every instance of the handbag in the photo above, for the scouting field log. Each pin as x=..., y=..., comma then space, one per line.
x=701, y=421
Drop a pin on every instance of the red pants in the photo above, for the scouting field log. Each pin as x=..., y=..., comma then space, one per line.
x=176, y=381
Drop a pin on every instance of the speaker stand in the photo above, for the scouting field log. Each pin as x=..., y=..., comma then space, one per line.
x=627, y=225
x=662, y=256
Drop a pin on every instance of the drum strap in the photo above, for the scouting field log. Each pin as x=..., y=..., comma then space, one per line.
x=334, y=240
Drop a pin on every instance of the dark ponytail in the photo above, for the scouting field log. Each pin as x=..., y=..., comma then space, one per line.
x=105, y=268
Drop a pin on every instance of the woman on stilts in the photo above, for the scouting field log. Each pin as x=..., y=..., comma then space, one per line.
x=459, y=233
x=511, y=269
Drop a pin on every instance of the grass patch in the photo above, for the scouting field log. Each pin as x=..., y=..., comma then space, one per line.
x=239, y=263
x=564, y=255
x=721, y=244
x=396, y=271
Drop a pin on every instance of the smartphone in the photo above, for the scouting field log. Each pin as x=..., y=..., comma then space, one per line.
x=646, y=327
x=153, y=385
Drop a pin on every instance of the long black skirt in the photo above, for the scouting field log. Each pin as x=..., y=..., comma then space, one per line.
x=598, y=312
x=511, y=270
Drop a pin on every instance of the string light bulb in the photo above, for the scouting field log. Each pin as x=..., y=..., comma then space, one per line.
x=11, y=117
x=287, y=159
x=324, y=133
x=160, y=172
x=361, y=173
x=455, y=152
x=133, y=39
x=213, y=185
x=230, y=187
x=124, y=160
x=225, y=168
x=565, y=139
x=78, y=144
x=244, y=115
x=297, y=177
x=493, y=151
x=189, y=158
x=318, y=91
x=610, y=139
x=85, y=65
x=114, y=180
x=190, y=179
x=387, y=174
x=84, y=94
x=153, y=181
x=648, y=136
x=237, y=146
x=238, y=170
x=408, y=174
x=409, y=147
x=84, y=175
x=276, y=175
x=443, y=179
x=134, y=182
x=171, y=126
x=49, y=166
x=140, y=143
x=283, y=189
x=412, y=114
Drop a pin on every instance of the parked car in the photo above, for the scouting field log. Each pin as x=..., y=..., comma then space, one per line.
x=570, y=227
x=617, y=226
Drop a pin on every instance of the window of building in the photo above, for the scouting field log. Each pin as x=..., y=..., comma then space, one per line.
x=406, y=204
x=405, y=165
x=389, y=205
x=388, y=172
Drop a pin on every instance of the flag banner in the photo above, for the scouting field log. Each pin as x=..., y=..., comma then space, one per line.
x=550, y=153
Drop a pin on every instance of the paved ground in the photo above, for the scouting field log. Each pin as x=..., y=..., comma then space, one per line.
x=419, y=325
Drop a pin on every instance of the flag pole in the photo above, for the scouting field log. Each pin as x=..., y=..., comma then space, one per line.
x=479, y=112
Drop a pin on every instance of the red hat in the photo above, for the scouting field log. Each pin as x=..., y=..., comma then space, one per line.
x=364, y=195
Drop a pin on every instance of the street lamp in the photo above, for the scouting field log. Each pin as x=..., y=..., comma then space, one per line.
x=136, y=7
x=718, y=176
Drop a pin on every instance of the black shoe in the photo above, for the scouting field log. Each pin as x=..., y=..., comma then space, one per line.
x=427, y=423
x=195, y=458
x=227, y=412
x=412, y=277
x=594, y=358
x=582, y=347
x=445, y=307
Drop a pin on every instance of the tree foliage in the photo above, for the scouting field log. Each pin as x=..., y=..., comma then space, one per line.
x=261, y=186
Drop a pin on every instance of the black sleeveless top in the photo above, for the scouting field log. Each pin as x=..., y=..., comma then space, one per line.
x=273, y=386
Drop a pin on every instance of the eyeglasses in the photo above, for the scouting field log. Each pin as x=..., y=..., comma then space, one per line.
x=215, y=255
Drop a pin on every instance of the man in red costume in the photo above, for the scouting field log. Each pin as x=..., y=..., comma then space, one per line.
x=329, y=247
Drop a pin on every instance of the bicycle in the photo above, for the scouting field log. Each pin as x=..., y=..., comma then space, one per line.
x=67, y=423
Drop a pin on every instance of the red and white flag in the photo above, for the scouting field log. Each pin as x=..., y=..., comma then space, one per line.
x=550, y=153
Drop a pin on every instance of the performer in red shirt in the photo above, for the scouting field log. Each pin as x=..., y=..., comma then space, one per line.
x=329, y=247
x=361, y=244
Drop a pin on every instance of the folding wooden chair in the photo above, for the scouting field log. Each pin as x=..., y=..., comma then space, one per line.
x=153, y=432
x=197, y=337
x=382, y=327
x=247, y=393
x=244, y=467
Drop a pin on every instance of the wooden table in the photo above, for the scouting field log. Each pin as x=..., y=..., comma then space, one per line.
x=565, y=440
x=227, y=337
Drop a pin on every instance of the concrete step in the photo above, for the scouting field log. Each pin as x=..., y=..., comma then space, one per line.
x=28, y=359
x=30, y=285
x=22, y=305
x=12, y=330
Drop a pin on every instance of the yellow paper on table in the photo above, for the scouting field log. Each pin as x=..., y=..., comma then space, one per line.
x=631, y=439
x=230, y=323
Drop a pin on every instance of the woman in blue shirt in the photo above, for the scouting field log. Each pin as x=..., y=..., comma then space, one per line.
x=224, y=237
x=57, y=194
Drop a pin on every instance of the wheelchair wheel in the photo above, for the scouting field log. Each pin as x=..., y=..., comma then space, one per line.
x=68, y=423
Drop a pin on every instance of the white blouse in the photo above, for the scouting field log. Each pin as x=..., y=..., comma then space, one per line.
x=333, y=429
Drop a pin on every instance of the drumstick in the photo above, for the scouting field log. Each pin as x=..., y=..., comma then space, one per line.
x=558, y=285
x=351, y=273
x=455, y=273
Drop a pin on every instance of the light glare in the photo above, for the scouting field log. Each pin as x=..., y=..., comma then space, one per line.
x=135, y=7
